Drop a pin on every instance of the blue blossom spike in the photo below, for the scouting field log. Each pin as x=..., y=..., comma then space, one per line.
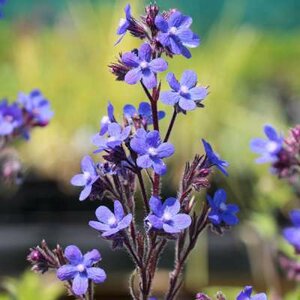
x=213, y=158
x=80, y=269
x=245, y=294
x=151, y=150
x=292, y=234
x=222, y=213
x=108, y=119
x=184, y=94
x=10, y=118
x=87, y=178
x=175, y=33
x=37, y=107
x=143, y=67
x=165, y=216
x=144, y=112
x=110, y=222
x=116, y=136
x=268, y=148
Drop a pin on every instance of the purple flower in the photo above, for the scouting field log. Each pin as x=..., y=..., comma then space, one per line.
x=87, y=178
x=125, y=23
x=151, y=150
x=37, y=107
x=144, y=112
x=292, y=234
x=213, y=158
x=269, y=148
x=10, y=118
x=175, y=33
x=165, y=216
x=221, y=212
x=245, y=294
x=116, y=135
x=110, y=222
x=143, y=66
x=185, y=93
x=81, y=269
x=106, y=120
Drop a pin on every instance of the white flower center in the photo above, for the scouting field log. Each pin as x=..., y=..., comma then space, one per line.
x=271, y=146
x=184, y=89
x=152, y=151
x=167, y=216
x=81, y=268
x=86, y=175
x=223, y=206
x=122, y=22
x=144, y=65
x=173, y=30
x=112, y=221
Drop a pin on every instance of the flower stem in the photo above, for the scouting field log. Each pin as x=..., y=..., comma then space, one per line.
x=171, y=125
x=143, y=190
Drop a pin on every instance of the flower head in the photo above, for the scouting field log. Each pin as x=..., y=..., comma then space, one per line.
x=185, y=94
x=245, y=294
x=144, y=112
x=87, y=178
x=143, y=67
x=165, y=216
x=213, y=158
x=37, y=107
x=151, y=150
x=292, y=234
x=268, y=148
x=80, y=269
x=10, y=118
x=110, y=222
x=124, y=23
x=222, y=213
x=116, y=136
x=175, y=33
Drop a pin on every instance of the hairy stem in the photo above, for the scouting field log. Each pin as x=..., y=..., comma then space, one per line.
x=171, y=125
x=143, y=190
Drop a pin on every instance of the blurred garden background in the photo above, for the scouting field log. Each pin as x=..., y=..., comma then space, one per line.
x=249, y=57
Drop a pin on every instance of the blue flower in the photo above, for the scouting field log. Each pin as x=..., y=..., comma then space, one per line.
x=124, y=23
x=213, y=158
x=2, y=3
x=110, y=222
x=269, y=148
x=144, y=112
x=37, y=107
x=116, y=136
x=151, y=150
x=81, y=269
x=106, y=120
x=165, y=216
x=143, y=66
x=10, y=118
x=185, y=93
x=292, y=234
x=175, y=33
x=221, y=212
x=245, y=294
x=87, y=178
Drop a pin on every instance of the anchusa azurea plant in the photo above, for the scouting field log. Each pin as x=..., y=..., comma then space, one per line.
x=134, y=153
x=17, y=119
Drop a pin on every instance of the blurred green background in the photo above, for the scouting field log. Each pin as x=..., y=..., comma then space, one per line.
x=249, y=57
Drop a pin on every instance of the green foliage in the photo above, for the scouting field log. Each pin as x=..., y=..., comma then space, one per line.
x=31, y=286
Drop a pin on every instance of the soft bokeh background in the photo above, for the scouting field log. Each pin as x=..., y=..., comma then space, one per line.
x=249, y=57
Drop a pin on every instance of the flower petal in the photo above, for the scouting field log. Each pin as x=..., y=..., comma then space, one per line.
x=230, y=219
x=170, y=228
x=145, y=52
x=91, y=257
x=118, y=210
x=85, y=192
x=158, y=65
x=188, y=79
x=130, y=59
x=99, y=226
x=97, y=275
x=198, y=93
x=133, y=76
x=114, y=129
x=149, y=79
x=125, y=222
x=145, y=109
x=182, y=221
x=219, y=197
x=66, y=272
x=169, y=98
x=144, y=161
x=78, y=180
x=129, y=111
x=73, y=255
x=154, y=221
x=295, y=217
x=153, y=139
x=80, y=284
x=173, y=82
x=165, y=150
x=171, y=206
x=156, y=206
x=104, y=214
x=161, y=23
x=186, y=104
x=271, y=133
x=159, y=167
x=176, y=19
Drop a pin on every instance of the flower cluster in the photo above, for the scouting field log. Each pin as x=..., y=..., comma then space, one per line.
x=133, y=149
